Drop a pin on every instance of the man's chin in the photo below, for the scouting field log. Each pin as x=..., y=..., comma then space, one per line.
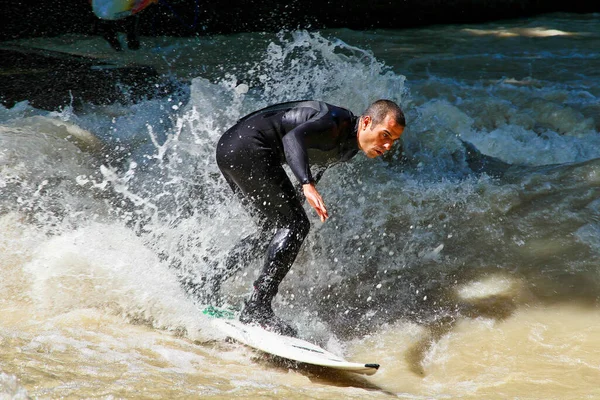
x=371, y=154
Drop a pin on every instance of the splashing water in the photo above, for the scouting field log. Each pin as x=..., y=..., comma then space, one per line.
x=425, y=264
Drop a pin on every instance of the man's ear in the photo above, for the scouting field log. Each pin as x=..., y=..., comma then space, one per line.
x=366, y=121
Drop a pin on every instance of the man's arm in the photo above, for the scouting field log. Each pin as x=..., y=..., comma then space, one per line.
x=295, y=146
x=296, y=154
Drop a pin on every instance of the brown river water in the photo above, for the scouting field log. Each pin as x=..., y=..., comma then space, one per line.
x=465, y=263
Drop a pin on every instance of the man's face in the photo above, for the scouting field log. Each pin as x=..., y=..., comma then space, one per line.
x=378, y=139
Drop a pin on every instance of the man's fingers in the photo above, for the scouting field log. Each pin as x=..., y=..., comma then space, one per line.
x=316, y=201
x=322, y=216
x=322, y=211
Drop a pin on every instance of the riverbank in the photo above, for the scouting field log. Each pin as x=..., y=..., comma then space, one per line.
x=190, y=18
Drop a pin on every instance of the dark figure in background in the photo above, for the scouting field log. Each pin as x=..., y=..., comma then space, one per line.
x=119, y=15
x=250, y=156
x=110, y=31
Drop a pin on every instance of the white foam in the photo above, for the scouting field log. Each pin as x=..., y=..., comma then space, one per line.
x=108, y=267
x=10, y=388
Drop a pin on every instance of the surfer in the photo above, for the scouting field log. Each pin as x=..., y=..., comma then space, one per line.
x=116, y=15
x=250, y=155
x=110, y=32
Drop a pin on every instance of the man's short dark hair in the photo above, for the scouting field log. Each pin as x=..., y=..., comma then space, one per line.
x=381, y=108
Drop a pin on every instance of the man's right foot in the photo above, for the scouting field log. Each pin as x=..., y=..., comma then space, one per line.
x=263, y=316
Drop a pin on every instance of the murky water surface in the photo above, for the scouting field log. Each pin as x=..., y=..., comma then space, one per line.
x=465, y=263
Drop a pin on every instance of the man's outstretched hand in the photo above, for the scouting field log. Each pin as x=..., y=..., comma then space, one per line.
x=315, y=200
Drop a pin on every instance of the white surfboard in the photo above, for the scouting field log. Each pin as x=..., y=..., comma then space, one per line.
x=288, y=347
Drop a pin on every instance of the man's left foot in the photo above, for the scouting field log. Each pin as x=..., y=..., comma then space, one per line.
x=262, y=315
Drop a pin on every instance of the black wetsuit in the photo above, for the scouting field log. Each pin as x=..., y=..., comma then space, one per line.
x=251, y=154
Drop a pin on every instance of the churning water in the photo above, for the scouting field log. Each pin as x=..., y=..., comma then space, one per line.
x=466, y=262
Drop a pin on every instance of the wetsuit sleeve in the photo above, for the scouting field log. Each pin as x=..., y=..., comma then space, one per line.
x=295, y=146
